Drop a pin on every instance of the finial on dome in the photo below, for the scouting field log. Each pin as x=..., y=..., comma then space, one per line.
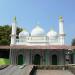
x=51, y=28
x=14, y=19
x=38, y=23
x=25, y=29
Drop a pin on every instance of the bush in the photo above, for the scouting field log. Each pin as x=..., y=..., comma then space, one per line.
x=4, y=61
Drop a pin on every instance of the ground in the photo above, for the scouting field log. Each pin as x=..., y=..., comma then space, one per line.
x=28, y=70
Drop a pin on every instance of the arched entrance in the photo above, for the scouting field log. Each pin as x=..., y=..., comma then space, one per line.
x=54, y=59
x=71, y=58
x=20, y=59
x=36, y=60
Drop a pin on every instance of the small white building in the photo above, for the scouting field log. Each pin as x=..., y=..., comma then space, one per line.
x=38, y=47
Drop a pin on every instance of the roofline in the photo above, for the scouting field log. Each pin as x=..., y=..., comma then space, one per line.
x=40, y=47
x=69, y=47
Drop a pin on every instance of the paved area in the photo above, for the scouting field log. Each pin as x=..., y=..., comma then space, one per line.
x=16, y=70
x=53, y=72
x=26, y=69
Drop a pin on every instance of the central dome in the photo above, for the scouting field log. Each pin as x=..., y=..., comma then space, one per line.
x=37, y=31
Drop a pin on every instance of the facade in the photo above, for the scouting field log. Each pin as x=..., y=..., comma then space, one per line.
x=39, y=48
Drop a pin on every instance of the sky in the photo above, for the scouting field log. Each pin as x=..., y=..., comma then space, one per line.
x=44, y=12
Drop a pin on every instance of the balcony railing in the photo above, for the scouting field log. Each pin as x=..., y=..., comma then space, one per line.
x=35, y=40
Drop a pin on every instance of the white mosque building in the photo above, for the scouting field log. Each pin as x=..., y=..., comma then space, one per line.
x=39, y=48
x=38, y=36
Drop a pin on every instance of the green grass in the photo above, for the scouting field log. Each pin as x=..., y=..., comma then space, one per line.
x=4, y=61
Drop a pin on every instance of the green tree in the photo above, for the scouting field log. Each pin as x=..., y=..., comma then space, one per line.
x=5, y=32
x=4, y=42
x=73, y=42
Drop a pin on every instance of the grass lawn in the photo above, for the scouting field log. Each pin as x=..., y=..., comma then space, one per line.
x=4, y=61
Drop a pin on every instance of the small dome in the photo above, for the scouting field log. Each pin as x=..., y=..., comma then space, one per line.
x=37, y=31
x=24, y=33
x=51, y=33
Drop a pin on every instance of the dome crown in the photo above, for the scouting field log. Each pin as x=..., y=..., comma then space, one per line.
x=37, y=31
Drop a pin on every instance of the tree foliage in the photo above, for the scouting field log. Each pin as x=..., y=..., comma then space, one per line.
x=73, y=42
x=5, y=32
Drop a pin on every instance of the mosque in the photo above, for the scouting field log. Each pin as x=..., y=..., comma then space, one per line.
x=40, y=48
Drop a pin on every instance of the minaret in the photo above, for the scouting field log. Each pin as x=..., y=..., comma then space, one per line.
x=13, y=32
x=61, y=30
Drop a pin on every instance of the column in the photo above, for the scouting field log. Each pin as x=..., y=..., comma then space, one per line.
x=47, y=57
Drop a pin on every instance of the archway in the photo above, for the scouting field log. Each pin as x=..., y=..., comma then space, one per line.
x=54, y=59
x=20, y=59
x=71, y=58
x=36, y=60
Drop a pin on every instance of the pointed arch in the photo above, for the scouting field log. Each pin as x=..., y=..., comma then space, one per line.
x=20, y=59
x=36, y=60
x=54, y=59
